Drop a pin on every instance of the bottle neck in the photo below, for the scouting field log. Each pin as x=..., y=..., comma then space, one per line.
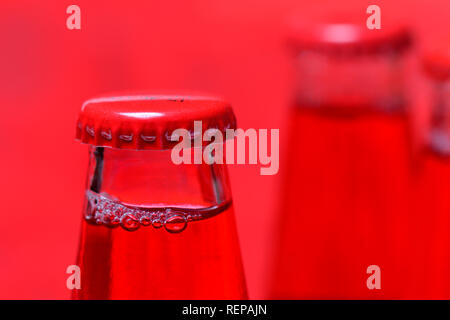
x=355, y=83
x=150, y=178
x=134, y=188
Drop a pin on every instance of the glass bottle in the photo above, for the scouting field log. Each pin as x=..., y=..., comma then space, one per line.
x=153, y=229
x=344, y=208
x=432, y=198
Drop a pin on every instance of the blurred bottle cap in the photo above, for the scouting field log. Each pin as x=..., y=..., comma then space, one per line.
x=345, y=32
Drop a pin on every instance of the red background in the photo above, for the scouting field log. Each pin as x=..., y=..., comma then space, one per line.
x=233, y=47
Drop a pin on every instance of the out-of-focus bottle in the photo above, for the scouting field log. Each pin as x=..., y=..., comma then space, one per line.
x=153, y=229
x=344, y=210
x=432, y=258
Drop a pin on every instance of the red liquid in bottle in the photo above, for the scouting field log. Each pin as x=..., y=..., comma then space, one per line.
x=432, y=256
x=345, y=204
x=197, y=263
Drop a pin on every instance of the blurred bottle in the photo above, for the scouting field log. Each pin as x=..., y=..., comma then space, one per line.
x=153, y=229
x=345, y=204
x=432, y=258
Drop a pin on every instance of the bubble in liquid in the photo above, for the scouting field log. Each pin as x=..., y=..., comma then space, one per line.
x=157, y=223
x=110, y=220
x=175, y=223
x=114, y=223
x=107, y=218
x=102, y=210
x=145, y=221
x=118, y=212
x=129, y=222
